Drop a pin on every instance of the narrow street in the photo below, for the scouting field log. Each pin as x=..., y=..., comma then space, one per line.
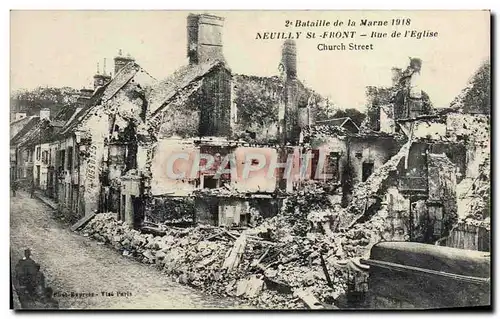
x=76, y=264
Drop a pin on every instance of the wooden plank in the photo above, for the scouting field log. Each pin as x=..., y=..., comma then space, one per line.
x=257, y=262
x=82, y=222
x=310, y=301
x=234, y=258
x=325, y=270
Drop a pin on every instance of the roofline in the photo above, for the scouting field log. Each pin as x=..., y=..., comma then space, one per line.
x=333, y=119
x=350, y=119
x=24, y=118
x=18, y=135
x=65, y=132
x=345, y=118
x=216, y=64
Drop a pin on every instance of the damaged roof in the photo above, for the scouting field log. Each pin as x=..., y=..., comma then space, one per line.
x=33, y=122
x=165, y=90
x=341, y=122
x=64, y=115
x=40, y=131
x=84, y=111
x=333, y=130
x=103, y=94
x=120, y=79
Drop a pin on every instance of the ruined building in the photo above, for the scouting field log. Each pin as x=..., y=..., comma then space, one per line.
x=80, y=154
x=417, y=173
x=110, y=151
x=134, y=146
x=205, y=109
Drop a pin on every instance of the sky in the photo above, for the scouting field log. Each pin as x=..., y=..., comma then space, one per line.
x=62, y=48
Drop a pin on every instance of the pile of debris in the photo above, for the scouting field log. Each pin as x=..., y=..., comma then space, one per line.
x=475, y=194
x=284, y=274
x=364, y=191
x=290, y=261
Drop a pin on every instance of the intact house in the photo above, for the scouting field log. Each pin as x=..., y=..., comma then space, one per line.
x=22, y=152
x=33, y=152
x=26, y=133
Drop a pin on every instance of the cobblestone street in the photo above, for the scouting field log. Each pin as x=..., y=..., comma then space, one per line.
x=76, y=264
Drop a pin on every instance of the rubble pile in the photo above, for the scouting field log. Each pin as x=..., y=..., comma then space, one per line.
x=473, y=191
x=359, y=239
x=324, y=131
x=363, y=191
x=303, y=211
x=273, y=274
x=475, y=201
x=318, y=217
x=289, y=261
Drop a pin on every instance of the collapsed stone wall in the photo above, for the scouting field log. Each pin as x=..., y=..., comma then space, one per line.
x=366, y=190
x=171, y=210
x=473, y=192
x=268, y=273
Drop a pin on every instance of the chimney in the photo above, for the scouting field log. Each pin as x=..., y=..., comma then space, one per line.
x=289, y=59
x=86, y=93
x=84, y=96
x=45, y=114
x=101, y=79
x=204, y=38
x=121, y=61
x=291, y=124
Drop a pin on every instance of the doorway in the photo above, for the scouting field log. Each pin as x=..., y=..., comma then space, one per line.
x=123, y=207
x=138, y=211
x=37, y=181
x=367, y=170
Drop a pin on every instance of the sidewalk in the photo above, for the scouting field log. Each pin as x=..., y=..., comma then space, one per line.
x=48, y=201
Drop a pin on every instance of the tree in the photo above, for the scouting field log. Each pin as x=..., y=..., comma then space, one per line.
x=325, y=110
x=31, y=101
x=475, y=98
x=255, y=103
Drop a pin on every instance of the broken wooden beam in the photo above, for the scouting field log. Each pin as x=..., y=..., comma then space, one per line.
x=234, y=258
x=325, y=270
x=82, y=222
x=153, y=230
x=213, y=236
x=310, y=301
x=258, y=261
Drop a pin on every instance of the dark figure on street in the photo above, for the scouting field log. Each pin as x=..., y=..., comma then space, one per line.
x=13, y=187
x=32, y=189
x=26, y=275
x=31, y=287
